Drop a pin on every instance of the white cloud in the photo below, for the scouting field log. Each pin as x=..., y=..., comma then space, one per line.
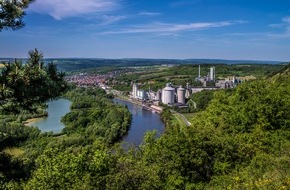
x=173, y=28
x=145, y=13
x=286, y=20
x=285, y=24
x=60, y=9
x=107, y=19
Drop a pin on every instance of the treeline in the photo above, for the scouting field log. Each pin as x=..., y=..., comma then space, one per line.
x=95, y=116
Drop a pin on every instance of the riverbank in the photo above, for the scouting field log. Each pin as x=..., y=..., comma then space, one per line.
x=51, y=122
x=127, y=99
x=29, y=122
x=152, y=108
x=183, y=120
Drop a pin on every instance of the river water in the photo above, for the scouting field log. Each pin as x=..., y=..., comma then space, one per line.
x=56, y=109
x=142, y=120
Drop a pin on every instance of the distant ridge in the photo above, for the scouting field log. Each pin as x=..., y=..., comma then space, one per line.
x=73, y=64
x=233, y=61
x=193, y=60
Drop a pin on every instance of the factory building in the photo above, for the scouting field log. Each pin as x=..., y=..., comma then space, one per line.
x=138, y=94
x=141, y=94
x=168, y=95
x=211, y=76
x=230, y=82
x=158, y=95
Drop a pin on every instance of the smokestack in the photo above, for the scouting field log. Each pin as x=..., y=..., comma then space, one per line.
x=198, y=71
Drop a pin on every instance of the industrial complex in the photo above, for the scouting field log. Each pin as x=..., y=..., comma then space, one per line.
x=172, y=95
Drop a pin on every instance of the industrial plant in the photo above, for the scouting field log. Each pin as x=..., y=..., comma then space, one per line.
x=172, y=95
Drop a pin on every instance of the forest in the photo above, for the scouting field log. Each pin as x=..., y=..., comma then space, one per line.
x=238, y=140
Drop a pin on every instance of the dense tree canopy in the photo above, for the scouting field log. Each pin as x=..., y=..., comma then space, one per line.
x=12, y=12
x=24, y=85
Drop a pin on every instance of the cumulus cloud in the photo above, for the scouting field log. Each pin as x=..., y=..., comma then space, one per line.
x=60, y=9
x=173, y=28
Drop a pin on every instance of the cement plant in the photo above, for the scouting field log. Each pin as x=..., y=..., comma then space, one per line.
x=176, y=95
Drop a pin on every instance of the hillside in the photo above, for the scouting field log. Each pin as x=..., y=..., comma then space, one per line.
x=75, y=64
x=282, y=73
x=240, y=141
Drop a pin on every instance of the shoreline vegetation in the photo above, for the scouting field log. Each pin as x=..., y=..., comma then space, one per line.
x=91, y=111
x=128, y=100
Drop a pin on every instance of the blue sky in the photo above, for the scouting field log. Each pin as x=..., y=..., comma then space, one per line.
x=216, y=29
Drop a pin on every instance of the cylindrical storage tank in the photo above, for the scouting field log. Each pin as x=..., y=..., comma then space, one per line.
x=168, y=95
x=142, y=94
x=181, y=95
x=158, y=95
x=135, y=89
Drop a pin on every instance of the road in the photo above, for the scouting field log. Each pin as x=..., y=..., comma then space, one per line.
x=182, y=116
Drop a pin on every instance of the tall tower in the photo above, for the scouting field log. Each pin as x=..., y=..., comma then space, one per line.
x=212, y=74
x=199, y=71
x=135, y=90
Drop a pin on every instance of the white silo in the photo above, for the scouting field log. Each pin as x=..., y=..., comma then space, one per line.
x=212, y=74
x=158, y=95
x=141, y=94
x=135, y=91
x=181, y=95
x=234, y=79
x=168, y=95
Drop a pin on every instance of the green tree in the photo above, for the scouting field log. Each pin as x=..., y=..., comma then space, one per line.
x=12, y=12
x=26, y=85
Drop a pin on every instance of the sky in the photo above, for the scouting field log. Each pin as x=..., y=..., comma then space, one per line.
x=166, y=29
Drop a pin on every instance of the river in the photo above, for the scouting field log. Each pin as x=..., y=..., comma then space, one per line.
x=142, y=120
x=56, y=109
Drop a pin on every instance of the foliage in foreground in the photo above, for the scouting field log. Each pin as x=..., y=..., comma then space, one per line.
x=11, y=13
x=241, y=141
x=22, y=86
